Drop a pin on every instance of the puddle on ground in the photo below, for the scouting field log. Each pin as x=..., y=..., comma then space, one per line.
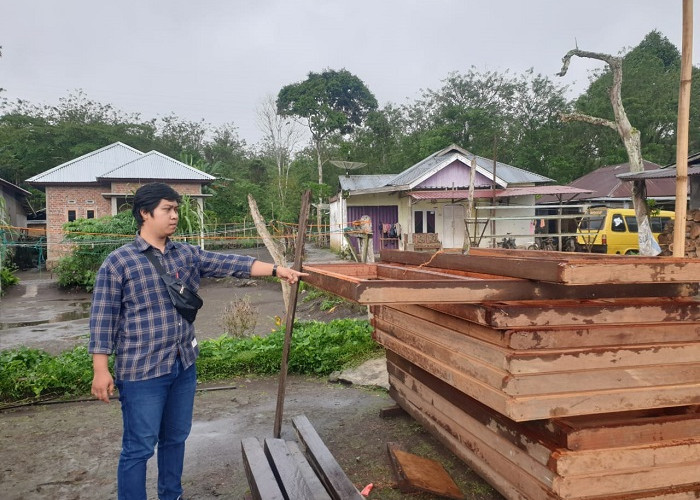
x=81, y=313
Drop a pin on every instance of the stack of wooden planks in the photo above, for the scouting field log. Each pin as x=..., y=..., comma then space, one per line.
x=591, y=394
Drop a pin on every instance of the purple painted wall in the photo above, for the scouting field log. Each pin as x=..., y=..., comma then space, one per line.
x=379, y=215
x=455, y=174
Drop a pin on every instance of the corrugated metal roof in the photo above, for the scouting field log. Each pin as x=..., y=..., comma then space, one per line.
x=605, y=184
x=662, y=173
x=87, y=168
x=424, y=168
x=12, y=187
x=156, y=166
x=498, y=193
x=427, y=167
x=357, y=182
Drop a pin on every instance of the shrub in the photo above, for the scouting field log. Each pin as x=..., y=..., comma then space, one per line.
x=7, y=278
x=34, y=373
x=94, y=239
x=239, y=317
x=317, y=348
x=76, y=271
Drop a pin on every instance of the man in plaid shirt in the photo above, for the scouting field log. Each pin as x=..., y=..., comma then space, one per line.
x=155, y=348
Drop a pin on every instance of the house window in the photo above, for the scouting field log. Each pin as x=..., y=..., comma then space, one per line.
x=424, y=221
x=90, y=214
x=124, y=203
x=71, y=215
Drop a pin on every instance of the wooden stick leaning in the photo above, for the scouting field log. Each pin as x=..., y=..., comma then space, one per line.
x=291, y=310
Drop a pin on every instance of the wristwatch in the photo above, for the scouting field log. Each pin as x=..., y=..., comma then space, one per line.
x=274, y=270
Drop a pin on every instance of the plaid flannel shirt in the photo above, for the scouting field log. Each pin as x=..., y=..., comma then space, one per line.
x=132, y=314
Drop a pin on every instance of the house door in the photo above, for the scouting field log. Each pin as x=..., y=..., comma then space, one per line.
x=383, y=217
x=452, y=226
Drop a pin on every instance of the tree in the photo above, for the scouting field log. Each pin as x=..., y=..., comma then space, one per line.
x=630, y=137
x=280, y=139
x=650, y=97
x=329, y=102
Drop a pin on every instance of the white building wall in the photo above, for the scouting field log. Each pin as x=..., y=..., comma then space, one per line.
x=338, y=222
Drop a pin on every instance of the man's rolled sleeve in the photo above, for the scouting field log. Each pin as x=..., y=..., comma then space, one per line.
x=218, y=265
x=105, y=311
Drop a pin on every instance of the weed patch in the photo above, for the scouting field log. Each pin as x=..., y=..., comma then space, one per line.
x=317, y=348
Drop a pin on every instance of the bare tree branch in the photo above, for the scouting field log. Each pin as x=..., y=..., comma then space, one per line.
x=611, y=60
x=630, y=136
x=593, y=120
x=274, y=247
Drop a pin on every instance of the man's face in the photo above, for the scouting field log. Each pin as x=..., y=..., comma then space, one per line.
x=163, y=222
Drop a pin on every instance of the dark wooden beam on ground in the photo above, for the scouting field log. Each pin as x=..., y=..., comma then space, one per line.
x=261, y=479
x=331, y=474
x=288, y=472
x=392, y=411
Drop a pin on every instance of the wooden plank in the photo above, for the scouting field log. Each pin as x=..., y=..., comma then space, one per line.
x=607, y=469
x=637, y=311
x=574, y=370
x=510, y=479
x=598, y=335
x=626, y=429
x=392, y=284
x=323, y=462
x=559, y=337
x=391, y=412
x=286, y=471
x=558, y=267
x=477, y=417
x=416, y=474
x=462, y=408
x=634, y=483
x=469, y=385
x=314, y=483
x=533, y=407
x=448, y=343
x=261, y=479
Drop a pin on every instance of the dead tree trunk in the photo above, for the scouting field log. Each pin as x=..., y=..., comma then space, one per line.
x=630, y=136
x=275, y=248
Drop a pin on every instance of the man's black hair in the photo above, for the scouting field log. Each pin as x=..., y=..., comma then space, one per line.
x=149, y=196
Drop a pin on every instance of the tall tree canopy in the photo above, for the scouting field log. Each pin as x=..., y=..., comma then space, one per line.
x=650, y=96
x=331, y=102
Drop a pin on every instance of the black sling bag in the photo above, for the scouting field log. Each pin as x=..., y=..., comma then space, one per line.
x=185, y=300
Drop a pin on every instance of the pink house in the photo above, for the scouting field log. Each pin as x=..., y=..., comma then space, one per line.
x=102, y=182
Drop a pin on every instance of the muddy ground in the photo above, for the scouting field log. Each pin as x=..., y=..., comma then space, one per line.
x=70, y=450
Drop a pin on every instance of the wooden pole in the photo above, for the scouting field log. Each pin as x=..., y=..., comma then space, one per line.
x=291, y=310
x=682, y=131
x=470, y=207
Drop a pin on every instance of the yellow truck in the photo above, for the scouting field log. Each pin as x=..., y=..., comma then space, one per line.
x=614, y=230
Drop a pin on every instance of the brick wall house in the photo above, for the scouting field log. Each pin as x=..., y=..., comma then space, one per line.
x=102, y=182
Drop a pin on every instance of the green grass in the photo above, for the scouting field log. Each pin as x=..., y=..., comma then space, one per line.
x=317, y=348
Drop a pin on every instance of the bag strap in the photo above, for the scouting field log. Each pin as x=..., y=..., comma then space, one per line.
x=150, y=255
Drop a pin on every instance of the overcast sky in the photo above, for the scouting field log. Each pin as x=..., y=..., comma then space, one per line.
x=217, y=59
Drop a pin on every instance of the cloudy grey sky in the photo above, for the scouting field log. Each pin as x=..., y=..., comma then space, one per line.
x=217, y=59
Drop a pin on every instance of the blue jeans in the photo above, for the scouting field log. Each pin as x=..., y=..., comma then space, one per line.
x=154, y=411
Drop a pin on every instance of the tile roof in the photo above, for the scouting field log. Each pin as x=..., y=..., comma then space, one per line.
x=86, y=168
